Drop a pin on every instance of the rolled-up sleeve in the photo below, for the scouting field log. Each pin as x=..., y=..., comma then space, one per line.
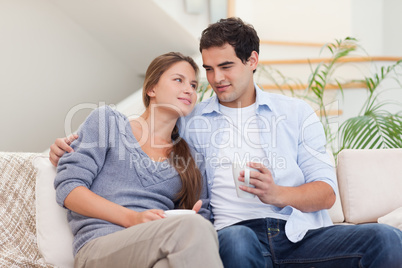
x=313, y=158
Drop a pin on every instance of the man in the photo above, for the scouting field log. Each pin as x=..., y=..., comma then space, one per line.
x=287, y=223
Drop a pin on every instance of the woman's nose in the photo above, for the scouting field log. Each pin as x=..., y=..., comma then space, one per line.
x=188, y=90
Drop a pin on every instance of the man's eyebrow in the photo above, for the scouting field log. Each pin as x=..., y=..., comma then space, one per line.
x=225, y=63
x=220, y=64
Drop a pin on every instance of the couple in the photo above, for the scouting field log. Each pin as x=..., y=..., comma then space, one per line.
x=116, y=205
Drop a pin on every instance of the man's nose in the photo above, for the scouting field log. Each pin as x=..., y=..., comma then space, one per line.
x=219, y=77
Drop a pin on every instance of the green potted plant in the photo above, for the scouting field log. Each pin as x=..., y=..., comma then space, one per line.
x=374, y=127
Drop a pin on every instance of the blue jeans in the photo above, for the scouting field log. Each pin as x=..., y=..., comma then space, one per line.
x=263, y=243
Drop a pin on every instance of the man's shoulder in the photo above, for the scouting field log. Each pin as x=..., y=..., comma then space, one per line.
x=281, y=102
x=277, y=96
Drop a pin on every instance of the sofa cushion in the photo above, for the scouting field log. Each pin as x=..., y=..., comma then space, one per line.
x=394, y=218
x=53, y=232
x=18, y=246
x=370, y=183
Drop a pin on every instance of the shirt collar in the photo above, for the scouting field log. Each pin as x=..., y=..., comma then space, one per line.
x=263, y=102
x=212, y=106
x=262, y=99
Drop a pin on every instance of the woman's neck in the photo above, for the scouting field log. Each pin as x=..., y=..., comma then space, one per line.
x=159, y=126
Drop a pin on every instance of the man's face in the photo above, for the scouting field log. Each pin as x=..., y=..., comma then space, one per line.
x=230, y=78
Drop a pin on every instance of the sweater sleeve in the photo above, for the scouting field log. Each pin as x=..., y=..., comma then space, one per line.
x=81, y=167
x=200, y=162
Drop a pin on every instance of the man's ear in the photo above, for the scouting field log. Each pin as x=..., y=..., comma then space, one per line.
x=253, y=60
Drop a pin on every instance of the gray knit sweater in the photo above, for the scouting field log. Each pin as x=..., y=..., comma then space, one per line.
x=108, y=160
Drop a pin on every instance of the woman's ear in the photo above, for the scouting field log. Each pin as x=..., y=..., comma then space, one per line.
x=151, y=92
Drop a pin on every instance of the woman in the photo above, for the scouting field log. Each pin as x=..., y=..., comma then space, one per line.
x=123, y=174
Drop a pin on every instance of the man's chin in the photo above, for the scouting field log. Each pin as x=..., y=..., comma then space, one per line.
x=225, y=97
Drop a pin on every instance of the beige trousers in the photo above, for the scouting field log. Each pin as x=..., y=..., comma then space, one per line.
x=180, y=241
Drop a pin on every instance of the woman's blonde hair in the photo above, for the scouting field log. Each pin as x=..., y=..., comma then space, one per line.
x=180, y=153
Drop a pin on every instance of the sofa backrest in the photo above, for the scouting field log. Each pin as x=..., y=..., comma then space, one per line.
x=336, y=212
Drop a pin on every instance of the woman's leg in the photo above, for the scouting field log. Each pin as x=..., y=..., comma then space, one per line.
x=162, y=263
x=184, y=241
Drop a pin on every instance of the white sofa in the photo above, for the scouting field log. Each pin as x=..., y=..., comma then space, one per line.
x=34, y=231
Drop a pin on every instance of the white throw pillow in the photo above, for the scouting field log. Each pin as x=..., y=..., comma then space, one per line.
x=394, y=218
x=52, y=230
x=369, y=182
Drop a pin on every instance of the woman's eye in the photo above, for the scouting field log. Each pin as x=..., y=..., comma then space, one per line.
x=194, y=86
x=178, y=79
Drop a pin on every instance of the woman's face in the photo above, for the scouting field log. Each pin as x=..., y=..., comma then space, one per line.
x=176, y=90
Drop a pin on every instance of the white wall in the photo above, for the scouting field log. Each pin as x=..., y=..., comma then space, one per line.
x=295, y=20
x=367, y=24
x=391, y=28
x=46, y=62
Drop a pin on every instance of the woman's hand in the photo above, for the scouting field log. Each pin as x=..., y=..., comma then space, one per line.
x=145, y=216
x=197, y=206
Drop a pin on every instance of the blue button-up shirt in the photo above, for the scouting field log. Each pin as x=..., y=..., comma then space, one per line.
x=292, y=138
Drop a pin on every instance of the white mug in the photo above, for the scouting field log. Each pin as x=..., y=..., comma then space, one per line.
x=237, y=167
x=179, y=212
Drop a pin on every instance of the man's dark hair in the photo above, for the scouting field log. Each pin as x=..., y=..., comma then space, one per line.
x=241, y=36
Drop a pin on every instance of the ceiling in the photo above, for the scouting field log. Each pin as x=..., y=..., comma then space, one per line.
x=134, y=31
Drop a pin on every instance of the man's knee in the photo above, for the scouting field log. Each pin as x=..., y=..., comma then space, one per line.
x=239, y=239
x=389, y=239
x=382, y=244
x=239, y=247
